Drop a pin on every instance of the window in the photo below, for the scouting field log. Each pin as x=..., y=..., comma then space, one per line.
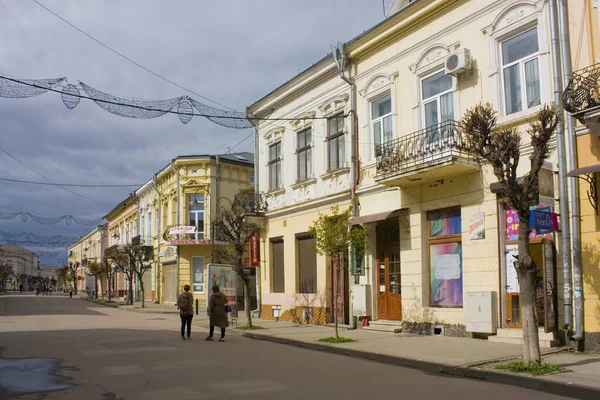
x=307, y=264
x=445, y=258
x=278, y=266
x=275, y=166
x=142, y=227
x=157, y=220
x=336, y=151
x=520, y=71
x=149, y=231
x=303, y=151
x=196, y=213
x=198, y=274
x=381, y=121
x=437, y=102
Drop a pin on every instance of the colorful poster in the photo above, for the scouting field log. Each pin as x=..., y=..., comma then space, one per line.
x=512, y=227
x=477, y=228
x=223, y=276
x=445, y=274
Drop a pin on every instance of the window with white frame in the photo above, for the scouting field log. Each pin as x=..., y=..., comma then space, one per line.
x=196, y=213
x=381, y=121
x=275, y=166
x=304, y=154
x=142, y=227
x=520, y=71
x=149, y=229
x=437, y=103
x=336, y=148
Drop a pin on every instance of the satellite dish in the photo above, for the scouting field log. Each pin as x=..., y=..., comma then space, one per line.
x=339, y=56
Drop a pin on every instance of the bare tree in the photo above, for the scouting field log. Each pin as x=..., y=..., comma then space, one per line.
x=501, y=148
x=61, y=274
x=6, y=273
x=73, y=268
x=143, y=257
x=95, y=269
x=108, y=271
x=234, y=226
x=125, y=263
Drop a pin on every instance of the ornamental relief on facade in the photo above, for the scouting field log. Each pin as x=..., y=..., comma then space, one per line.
x=513, y=14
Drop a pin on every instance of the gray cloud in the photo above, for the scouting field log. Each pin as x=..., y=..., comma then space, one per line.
x=233, y=52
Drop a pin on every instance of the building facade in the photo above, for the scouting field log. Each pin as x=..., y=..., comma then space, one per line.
x=385, y=138
x=147, y=233
x=190, y=191
x=582, y=97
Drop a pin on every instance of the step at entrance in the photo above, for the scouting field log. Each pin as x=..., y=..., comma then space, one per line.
x=382, y=325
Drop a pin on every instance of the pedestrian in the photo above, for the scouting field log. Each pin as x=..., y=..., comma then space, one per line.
x=185, y=303
x=217, y=312
x=21, y=288
x=70, y=292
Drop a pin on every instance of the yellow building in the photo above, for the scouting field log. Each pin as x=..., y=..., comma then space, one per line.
x=583, y=98
x=122, y=225
x=189, y=190
x=383, y=136
x=89, y=247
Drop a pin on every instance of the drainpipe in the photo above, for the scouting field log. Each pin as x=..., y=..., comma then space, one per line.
x=575, y=217
x=158, y=237
x=340, y=60
x=562, y=171
x=177, y=219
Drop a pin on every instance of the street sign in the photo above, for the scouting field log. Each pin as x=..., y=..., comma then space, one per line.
x=254, y=251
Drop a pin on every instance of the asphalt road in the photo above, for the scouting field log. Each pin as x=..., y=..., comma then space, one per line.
x=61, y=348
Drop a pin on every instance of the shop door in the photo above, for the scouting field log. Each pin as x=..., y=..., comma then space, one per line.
x=389, y=300
x=170, y=283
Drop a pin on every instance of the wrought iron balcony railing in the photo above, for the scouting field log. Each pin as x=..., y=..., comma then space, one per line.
x=583, y=91
x=421, y=148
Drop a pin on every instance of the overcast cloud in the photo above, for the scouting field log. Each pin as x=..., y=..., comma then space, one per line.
x=233, y=52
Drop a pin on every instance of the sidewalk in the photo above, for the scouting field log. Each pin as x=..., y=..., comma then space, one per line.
x=471, y=358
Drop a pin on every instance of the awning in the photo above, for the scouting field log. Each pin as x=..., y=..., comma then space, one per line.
x=584, y=170
x=365, y=219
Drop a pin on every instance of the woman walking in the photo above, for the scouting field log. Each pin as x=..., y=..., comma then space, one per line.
x=218, y=315
x=185, y=303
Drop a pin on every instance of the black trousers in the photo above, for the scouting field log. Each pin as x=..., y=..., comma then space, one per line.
x=212, y=331
x=186, y=320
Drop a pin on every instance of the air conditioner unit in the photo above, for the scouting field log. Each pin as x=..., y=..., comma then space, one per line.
x=458, y=62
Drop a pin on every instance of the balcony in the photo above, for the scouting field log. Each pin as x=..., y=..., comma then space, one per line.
x=582, y=97
x=426, y=155
x=177, y=235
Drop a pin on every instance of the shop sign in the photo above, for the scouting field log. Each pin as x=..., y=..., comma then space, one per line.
x=178, y=242
x=254, y=251
x=176, y=230
x=543, y=221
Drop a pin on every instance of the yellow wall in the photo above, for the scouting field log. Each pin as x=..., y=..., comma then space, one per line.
x=589, y=154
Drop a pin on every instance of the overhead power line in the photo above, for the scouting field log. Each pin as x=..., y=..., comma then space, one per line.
x=67, y=184
x=51, y=181
x=127, y=58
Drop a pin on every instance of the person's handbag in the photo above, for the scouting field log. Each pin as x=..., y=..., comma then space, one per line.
x=227, y=308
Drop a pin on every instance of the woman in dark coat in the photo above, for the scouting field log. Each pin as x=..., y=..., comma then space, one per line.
x=218, y=316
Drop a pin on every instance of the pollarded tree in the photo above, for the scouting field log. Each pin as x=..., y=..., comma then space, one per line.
x=108, y=271
x=501, y=148
x=73, y=267
x=6, y=273
x=96, y=270
x=334, y=237
x=126, y=264
x=235, y=226
x=144, y=258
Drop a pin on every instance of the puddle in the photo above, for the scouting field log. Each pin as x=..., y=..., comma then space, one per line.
x=31, y=375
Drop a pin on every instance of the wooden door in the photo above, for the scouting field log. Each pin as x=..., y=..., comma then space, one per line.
x=389, y=298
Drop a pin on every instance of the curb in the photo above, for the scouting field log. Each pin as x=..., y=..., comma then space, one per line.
x=112, y=305
x=566, y=389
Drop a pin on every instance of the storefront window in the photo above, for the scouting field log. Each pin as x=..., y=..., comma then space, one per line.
x=445, y=258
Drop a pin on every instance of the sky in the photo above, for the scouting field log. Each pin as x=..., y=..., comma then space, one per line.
x=232, y=52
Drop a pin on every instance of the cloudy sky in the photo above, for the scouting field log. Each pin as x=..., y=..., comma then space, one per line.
x=232, y=52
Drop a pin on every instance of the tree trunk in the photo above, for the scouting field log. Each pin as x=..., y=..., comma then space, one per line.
x=142, y=290
x=96, y=287
x=108, y=287
x=130, y=294
x=526, y=273
x=247, y=307
x=335, y=297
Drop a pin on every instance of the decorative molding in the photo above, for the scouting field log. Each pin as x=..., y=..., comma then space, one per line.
x=304, y=191
x=303, y=120
x=376, y=83
x=300, y=185
x=433, y=54
x=332, y=174
x=334, y=104
x=274, y=134
x=512, y=14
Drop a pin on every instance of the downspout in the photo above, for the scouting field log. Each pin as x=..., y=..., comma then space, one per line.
x=562, y=171
x=575, y=217
x=177, y=220
x=100, y=258
x=354, y=165
x=256, y=193
x=158, y=237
